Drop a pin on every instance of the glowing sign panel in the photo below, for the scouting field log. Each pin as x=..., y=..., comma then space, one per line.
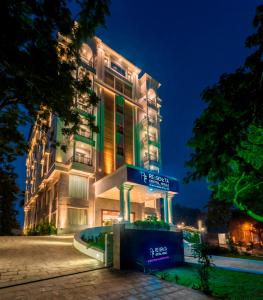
x=153, y=180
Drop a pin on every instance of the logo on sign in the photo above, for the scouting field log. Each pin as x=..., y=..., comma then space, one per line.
x=158, y=251
x=158, y=254
x=155, y=181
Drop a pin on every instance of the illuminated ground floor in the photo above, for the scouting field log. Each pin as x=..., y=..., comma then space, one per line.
x=73, y=201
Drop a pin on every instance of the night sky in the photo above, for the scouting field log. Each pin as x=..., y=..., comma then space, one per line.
x=186, y=46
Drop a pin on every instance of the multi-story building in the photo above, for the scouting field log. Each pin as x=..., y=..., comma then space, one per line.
x=91, y=183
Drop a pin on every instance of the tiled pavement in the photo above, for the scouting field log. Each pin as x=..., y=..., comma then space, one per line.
x=102, y=284
x=24, y=259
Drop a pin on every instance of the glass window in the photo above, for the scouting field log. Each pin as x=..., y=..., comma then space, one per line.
x=118, y=69
x=109, y=79
x=127, y=90
x=119, y=85
x=77, y=216
x=78, y=186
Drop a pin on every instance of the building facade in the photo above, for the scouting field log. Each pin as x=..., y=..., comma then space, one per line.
x=80, y=188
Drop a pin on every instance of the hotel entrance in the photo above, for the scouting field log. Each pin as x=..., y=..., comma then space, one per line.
x=132, y=193
x=110, y=217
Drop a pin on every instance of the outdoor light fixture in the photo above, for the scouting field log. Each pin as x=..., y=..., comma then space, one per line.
x=119, y=218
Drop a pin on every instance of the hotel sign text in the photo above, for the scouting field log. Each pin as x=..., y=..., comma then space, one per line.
x=153, y=180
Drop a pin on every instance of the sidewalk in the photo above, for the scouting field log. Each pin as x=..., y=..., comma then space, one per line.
x=234, y=264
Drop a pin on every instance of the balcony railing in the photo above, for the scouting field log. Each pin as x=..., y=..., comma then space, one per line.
x=150, y=121
x=84, y=108
x=151, y=158
x=88, y=64
x=81, y=159
x=84, y=133
x=150, y=138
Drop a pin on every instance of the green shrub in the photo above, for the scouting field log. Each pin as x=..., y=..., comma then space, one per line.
x=43, y=228
x=191, y=237
x=201, y=252
x=151, y=223
x=96, y=241
x=232, y=246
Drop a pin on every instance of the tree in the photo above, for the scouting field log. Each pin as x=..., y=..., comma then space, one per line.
x=258, y=230
x=8, y=192
x=187, y=215
x=39, y=61
x=227, y=137
x=218, y=215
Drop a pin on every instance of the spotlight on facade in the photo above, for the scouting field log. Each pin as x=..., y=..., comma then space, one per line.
x=119, y=219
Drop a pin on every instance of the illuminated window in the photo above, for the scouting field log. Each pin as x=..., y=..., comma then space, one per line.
x=78, y=187
x=118, y=69
x=77, y=216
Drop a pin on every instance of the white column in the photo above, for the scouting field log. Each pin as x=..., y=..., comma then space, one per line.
x=170, y=208
x=125, y=202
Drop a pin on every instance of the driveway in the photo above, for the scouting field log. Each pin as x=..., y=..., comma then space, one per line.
x=102, y=284
x=24, y=259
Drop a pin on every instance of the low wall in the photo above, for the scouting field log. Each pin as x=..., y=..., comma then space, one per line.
x=94, y=231
x=82, y=246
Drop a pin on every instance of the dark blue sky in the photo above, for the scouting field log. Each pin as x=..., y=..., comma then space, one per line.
x=185, y=45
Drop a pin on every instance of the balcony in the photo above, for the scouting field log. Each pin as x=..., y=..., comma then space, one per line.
x=83, y=159
x=88, y=64
x=84, y=108
x=81, y=162
x=151, y=158
x=152, y=104
x=85, y=133
x=151, y=139
x=84, y=136
x=149, y=121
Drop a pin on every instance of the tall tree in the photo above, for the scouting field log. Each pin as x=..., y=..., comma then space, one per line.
x=38, y=68
x=227, y=138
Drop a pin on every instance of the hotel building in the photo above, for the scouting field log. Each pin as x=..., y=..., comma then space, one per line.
x=106, y=176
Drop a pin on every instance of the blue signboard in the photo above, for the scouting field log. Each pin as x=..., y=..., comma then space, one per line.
x=151, y=179
x=151, y=249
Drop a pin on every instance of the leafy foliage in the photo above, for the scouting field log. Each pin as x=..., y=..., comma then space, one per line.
x=43, y=228
x=227, y=137
x=39, y=71
x=201, y=252
x=96, y=241
x=151, y=223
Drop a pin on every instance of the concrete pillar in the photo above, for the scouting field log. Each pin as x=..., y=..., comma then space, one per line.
x=125, y=202
x=170, y=208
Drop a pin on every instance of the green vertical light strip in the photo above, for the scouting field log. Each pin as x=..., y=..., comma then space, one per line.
x=136, y=129
x=100, y=134
x=119, y=137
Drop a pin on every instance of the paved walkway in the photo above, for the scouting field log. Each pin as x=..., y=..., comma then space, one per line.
x=24, y=259
x=102, y=284
x=235, y=264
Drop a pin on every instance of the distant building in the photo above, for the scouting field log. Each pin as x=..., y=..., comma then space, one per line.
x=107, y=176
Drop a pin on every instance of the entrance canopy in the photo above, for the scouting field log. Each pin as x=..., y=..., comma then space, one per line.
x=147, y=180
x=133, y=184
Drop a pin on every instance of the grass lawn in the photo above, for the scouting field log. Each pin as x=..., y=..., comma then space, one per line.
x=225, y=284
